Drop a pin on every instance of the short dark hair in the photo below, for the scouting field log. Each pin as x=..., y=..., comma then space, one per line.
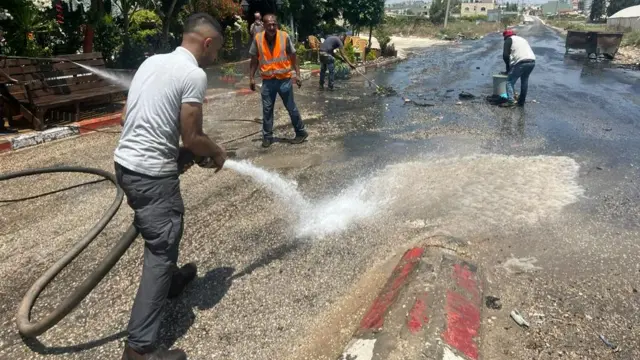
x=197, y=19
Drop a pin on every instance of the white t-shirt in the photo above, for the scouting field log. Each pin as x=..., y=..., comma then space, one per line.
x=150, y=138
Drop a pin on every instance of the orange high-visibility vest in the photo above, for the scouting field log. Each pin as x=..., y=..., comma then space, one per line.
x=277, y=64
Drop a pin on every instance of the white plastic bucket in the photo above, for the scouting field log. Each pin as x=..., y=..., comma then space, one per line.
x=500, y=85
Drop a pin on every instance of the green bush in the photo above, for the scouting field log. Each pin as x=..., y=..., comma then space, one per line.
x=350, y=52
x=301, y=51
x=371, y=56
x=108, y=39
x=342, y=70
x=631, y=39
x=389, y=51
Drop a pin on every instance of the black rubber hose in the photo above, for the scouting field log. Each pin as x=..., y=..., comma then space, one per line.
x=32, y=329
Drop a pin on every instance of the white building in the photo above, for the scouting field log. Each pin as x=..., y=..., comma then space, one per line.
x=628, y=18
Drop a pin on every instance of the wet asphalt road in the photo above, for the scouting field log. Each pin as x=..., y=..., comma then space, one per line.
x=545, y=196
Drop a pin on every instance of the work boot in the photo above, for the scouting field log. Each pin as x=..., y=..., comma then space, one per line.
x=321, y=87
x=181, y=278
x=266, y=142
x=158, y=354
x=299, y=139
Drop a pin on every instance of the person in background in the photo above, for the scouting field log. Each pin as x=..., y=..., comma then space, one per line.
x=273, y=50
x=327, y=58
x=257, y=26
x=520, y=61
x=164, y=104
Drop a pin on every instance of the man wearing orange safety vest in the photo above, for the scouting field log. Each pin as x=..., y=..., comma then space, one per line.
x=273, y=50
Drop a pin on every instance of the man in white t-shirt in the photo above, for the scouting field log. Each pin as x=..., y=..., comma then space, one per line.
x=164, y=104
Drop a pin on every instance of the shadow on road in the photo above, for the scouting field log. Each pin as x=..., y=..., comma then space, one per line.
x=204, y=294
x=207, y=292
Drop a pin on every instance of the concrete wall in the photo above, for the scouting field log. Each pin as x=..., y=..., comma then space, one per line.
x=625, y=23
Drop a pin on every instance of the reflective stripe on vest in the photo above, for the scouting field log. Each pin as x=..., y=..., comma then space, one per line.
x=276, y=64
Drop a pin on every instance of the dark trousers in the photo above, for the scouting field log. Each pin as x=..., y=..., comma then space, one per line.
x=520, y=71
x=159, y=210
x=328, y=62
x=271, y=88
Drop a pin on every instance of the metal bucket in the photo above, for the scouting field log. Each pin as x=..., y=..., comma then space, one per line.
x=500, y=85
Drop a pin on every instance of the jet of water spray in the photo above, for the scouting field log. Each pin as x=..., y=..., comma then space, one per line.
x=314, y=219
x=116, y=79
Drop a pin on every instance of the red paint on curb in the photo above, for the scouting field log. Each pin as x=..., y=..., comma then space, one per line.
x=86, y=126
x=418, y=316
x=463, y=323
x=466, y=279
x=5, y=146
x=374, y=318
x=244, y=92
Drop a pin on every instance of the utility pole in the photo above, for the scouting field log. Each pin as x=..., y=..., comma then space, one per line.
x=446, y=14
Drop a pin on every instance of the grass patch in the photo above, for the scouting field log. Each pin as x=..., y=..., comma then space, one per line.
x=631, y=39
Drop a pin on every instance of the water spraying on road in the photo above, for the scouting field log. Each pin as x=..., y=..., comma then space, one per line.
x=459, y=193
x=116, y=79
x=314, y=219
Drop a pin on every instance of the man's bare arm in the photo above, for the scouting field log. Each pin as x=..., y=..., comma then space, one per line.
x=123, y=115
x=253, y=67
x=193, y=137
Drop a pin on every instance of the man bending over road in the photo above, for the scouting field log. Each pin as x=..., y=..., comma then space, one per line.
x=164, y=104
x=520, y=61
x=327, y=58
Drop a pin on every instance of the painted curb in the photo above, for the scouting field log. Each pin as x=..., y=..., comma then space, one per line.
x=429, y=308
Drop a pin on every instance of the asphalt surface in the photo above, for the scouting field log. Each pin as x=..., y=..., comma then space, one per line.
x=545, y=197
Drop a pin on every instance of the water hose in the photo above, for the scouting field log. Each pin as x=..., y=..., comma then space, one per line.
x=30, y=329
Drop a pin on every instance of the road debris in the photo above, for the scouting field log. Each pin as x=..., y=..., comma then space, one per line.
x=515, y=315
x=493, y=302
x=521, y=265
x=466, y=96
x=607, y=342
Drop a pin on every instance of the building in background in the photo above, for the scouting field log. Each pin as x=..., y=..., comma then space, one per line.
x=628, y=18
x=476, y=7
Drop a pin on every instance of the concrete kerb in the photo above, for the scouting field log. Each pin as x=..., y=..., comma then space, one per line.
x=88, y=126
x=430, y=308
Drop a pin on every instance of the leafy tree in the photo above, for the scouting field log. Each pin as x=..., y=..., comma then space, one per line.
x=617, y=5
x=364, y=13
x=581, y=5
x=437, y=11
x=168, y=11
x=597, y=10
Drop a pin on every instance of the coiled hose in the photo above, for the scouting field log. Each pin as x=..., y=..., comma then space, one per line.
x=33, y=329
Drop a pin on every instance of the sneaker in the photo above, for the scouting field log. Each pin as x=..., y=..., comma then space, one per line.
x=508, y=104
x=299, y=139
x=266, y=143
x=158, y=354
x=181, y=278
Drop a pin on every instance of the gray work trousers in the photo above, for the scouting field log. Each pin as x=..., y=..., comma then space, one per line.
x=159, y=210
